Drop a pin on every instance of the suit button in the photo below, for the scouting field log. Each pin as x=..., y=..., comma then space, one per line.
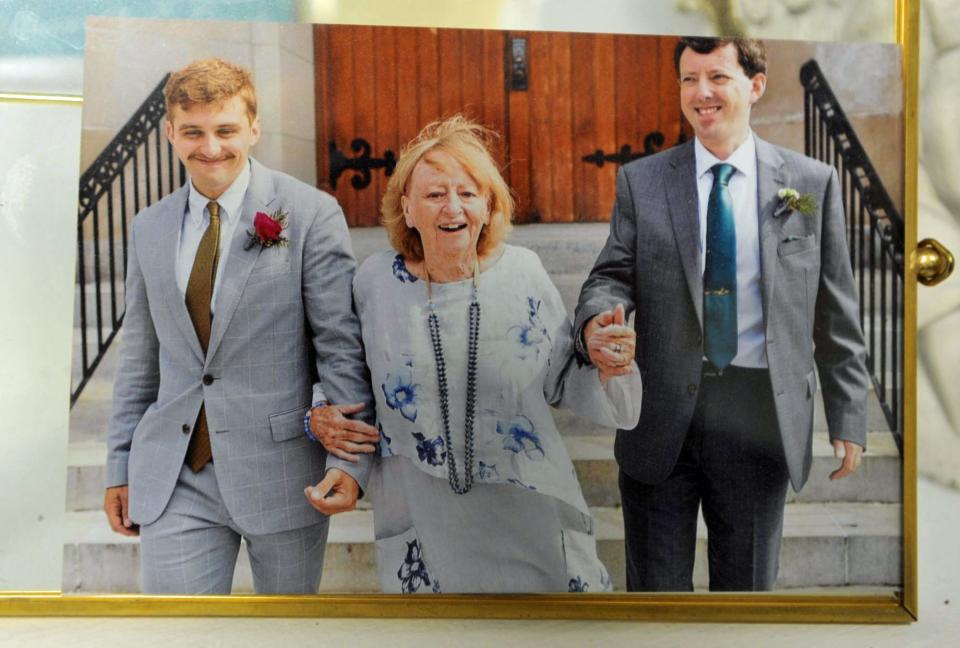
x=207, y=379
x=185, y=429
x=691, y=389
x=699, y=338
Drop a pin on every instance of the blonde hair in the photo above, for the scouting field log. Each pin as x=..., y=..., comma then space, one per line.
x=210, y=80
x=469, y=144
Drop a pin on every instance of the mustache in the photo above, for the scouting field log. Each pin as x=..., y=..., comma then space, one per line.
x=203, y=158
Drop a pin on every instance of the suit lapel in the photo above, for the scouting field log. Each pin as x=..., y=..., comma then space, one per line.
x=681, y=186
x=168, y=241
x=771, y=177
x=260, y=194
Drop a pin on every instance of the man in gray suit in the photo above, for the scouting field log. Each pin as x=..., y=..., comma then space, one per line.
x=732, y=252
x=238, y=296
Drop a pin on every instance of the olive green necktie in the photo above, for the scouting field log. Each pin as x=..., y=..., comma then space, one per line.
x=199, y=293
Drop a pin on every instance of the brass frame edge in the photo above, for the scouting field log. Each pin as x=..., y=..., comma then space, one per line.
x=755, y=608
x=908, y=37
x=27, y=97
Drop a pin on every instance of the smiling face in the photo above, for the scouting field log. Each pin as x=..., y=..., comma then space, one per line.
x=213, y=141
x=448, y=209
x=716, y=96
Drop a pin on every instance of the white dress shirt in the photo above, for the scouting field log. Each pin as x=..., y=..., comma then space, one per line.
x=196, y=218
x=751, y=351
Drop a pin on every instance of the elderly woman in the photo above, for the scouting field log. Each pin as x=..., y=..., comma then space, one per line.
x=469, y=346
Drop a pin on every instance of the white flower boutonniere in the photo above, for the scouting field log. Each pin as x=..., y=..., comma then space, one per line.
x=793, y=200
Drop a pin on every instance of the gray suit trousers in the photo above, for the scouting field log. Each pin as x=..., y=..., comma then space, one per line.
x=732, y=465
x=192, y=547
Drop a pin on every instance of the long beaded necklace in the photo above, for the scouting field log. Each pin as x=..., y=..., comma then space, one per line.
x=453, y=476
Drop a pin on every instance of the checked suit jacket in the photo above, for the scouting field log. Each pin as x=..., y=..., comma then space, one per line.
x=651, y=263
x=283, y=316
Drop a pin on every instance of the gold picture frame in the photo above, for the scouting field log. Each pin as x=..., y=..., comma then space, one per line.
x=896, y=607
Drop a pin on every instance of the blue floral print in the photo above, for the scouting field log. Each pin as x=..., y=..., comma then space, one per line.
x=577, y=585
x=488, y=471
x=531, y=334
x=385, y=449
x=413, y=573
x=401, y=394
x=400, y=270
x=517, y=482
x=519, y=436
x=430, y=450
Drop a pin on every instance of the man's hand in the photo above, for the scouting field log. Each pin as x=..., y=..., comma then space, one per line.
x=850, y=454
x=336, y=493
x=343, y=437
x=115, y=506
x=611, y=344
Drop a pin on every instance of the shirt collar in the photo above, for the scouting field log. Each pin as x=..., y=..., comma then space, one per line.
x=743, y=159
x=230, y=200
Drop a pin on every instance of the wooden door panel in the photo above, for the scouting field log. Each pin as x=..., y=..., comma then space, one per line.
x=586, y=93
x=593, y=124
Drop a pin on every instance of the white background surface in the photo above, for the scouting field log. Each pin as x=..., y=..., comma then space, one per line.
x=39, y=155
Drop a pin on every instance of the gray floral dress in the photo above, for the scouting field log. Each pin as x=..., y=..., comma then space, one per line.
x=524, y=527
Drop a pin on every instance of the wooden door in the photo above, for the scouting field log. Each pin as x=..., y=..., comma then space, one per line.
x=590, y=102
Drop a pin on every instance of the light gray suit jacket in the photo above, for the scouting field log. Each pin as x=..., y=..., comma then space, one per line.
x=283, y=317
x=651, y=263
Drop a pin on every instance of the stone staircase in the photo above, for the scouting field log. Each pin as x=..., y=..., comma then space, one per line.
x=843, y=534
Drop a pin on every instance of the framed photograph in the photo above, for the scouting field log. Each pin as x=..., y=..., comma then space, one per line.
x=337, y=103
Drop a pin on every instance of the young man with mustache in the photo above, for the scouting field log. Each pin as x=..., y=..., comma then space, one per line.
x=238, y=297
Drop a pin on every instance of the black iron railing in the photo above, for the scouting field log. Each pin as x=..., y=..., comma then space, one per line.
x=136, y=169
x=874, y=236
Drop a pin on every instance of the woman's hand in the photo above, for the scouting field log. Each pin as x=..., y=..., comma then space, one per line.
x=611, y=344
x=342, y=437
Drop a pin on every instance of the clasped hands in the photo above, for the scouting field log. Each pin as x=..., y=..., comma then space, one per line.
x=611, y=344
x=344, y=438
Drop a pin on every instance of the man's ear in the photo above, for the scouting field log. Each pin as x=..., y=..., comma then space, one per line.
x=255, y=130
x=168, y=128
x=758, y=86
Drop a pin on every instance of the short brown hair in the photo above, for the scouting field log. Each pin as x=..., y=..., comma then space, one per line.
x=469, y=144
x=751, y=52
x=211, y=80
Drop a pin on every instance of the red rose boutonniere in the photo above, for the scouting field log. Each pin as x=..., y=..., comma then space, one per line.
x=267, y=230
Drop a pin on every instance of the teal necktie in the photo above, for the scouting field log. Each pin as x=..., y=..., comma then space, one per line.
x=720, y=273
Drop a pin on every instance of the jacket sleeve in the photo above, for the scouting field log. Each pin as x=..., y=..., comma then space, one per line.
x=611, y=280
x=328, y=269
x=137, y=380
x=840, y=353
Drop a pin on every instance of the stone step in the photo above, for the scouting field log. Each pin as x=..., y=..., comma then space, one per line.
x=563, y=248
x=109, y=292
x=877, y=480
x=824, y=545
x=104, y=371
